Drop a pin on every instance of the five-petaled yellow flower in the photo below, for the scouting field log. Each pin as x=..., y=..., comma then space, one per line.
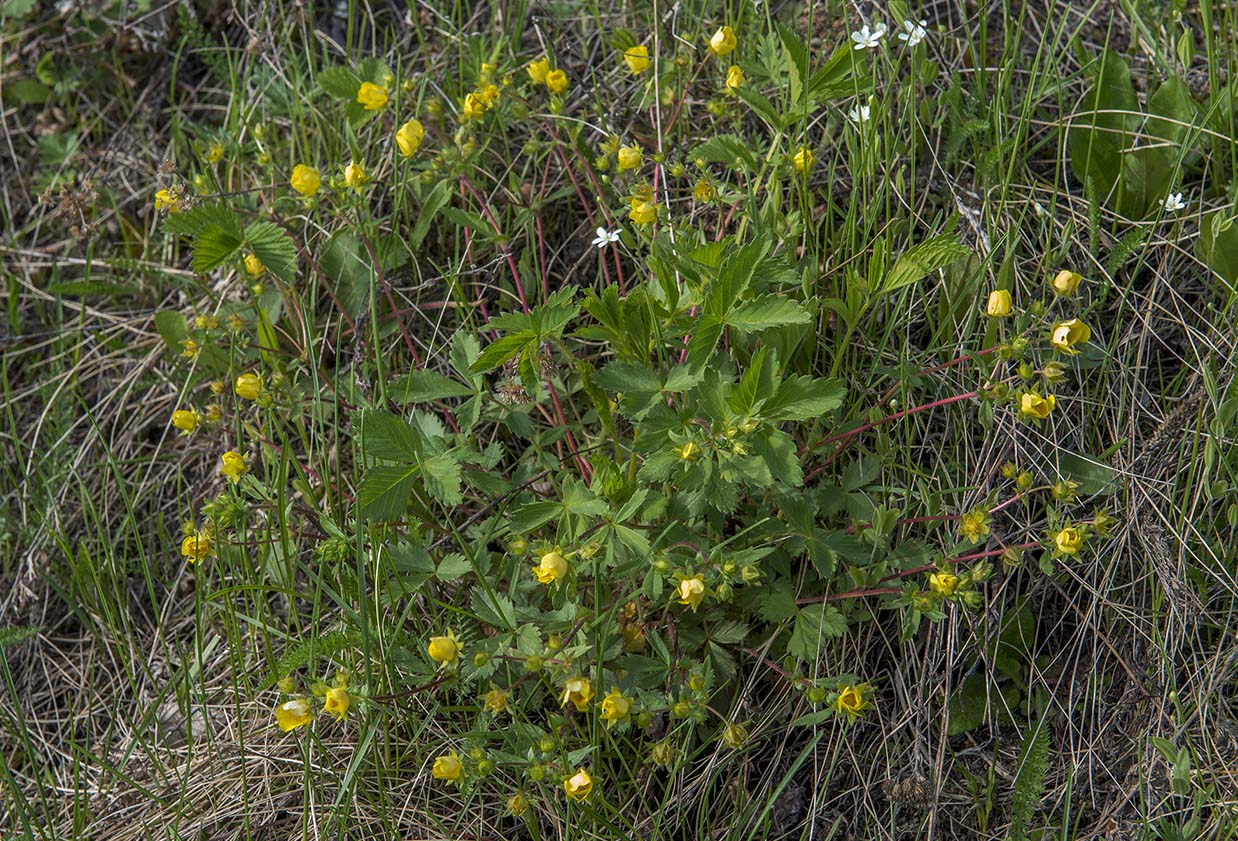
x=1000, y=304
x=248, y=386
x=185, y=419
x=551, y=567
x=197, y=547
x=214, y=153
x=703, y=191
x=488, y=94
x=444, y=649
x=556, y=81
x=577, y=691
x=233, y=466
x=637, y=59
x=615, y=706
x=851, y=701
x=1068, y=541
x=538, y=71
x=692, y=591
x=355, y=176
x=305, y=180
x=474, y=107
x=448, y=767
x=409, y=137
x=943, y=583
x=643, y=212
x=253, y=266
x=734, y=78
x=1032, y=405
x=1066, y=282
x=723, y=42
x=578, y=785
x=338, y=702
x=629, y=157
x=1067, y=334
x=292, y=714
x=974, y=525
x=496, y=700
x=172, y=200
x=803, y=159
x=371, y=96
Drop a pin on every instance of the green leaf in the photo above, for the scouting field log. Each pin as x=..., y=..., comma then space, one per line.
x=26, y=92
x=803, y=398
x=622, y=377
x=813, y=627
x=340, y=82
x=726, y=149
x=777, y=605
x=503, y=349
x=844, y=74
x=439, y=196
x=453, y=566
x=195, y=220
x=760, y=105
x=533, y=515
x=550, y=318
x=728, y=632
x=1217, y=246
x=765, y=312
x=921, y=259
x=384, y=491
x=426, y=387
x=274, y=248
x=212, y=248
x=1093, y=476
x=441, y=474
x=966, y=707
x=172, y=328
x=15, y=634
x=797, y=61
x=344, y=261
x=387, y=436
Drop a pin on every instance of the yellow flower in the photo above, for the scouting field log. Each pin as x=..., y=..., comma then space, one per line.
x=578, y=691
x=974, y=525
x=690, y=451
x=185, y=419
x=305, y=180
x=943, y=583
x=253, y=266
x=851, y=701
x=550, y=568
x=213, y=153
x=248, y=386
x=704, y=191
x=292, y=714
x=354, y=175
x=629, y=157
x=517, y=804
x=643, y=211
x=473, y=108
x=637, y=59
x=371, y=96
x=1032, y=405
x=233, y=465
x=556, y=81
x=803, y=159
x=723, y=42
x=1067, y=334
x=444, y=649
x=734, y=78
x=338, y=702
x=615, y=706
x=189, y=348
x=409, y=137
x=197, y=547
x=488, y=94
x=1068, y=541
x=496, y=700
x=538, y=71
x=1066, y=282
x=206, y=322
x=171, y=200
x=1000, y=304
x=692, y=591
x=448, y=767
x=578, y=785
x=734, y=735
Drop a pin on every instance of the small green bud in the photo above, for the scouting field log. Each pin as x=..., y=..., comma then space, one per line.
x=681, y=709
x=816, y=695
x=533, y=663
x=536, y=772
x=480, y=659
x=750, y=573
x=546, y=743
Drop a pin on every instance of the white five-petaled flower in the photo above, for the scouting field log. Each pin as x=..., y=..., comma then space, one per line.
x=913, y=33
x=868, y=39
x=860, y=113
x=1172, y=202
x=605, y=237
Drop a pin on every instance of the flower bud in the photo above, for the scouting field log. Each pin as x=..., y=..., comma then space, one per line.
x=533, y=663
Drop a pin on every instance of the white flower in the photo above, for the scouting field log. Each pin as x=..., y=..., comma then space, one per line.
x=1172, y=203
x=913, y=33
x=605, y=237
x=860, y=113
x=868, y=39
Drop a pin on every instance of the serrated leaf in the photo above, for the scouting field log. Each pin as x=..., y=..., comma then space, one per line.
x=728, y=632
x=494, y=609
x=426, y=387
x=503, y=349
x=813, y=627
x=340, y=82
x=765, y=312
x=921, y=259
x=441, y=474
x=726, y=149
x=761, y=105
x=274, y=248
x=777, y=605
x=387, y=436
x=172, y=328
x=452, y=567
x=195, y=220
x=344, y=261
x=533, y=515
x=384, y=491
x=803, y=398
x=212, y=248
x=623, y=377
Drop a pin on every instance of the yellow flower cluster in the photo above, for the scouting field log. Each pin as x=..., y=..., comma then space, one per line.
x=540, y=74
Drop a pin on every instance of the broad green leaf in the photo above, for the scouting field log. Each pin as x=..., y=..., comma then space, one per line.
x=435, y=201
x=384, y=491
x=387, y=436
x=533, y=515
x=922, y=259
x=340, y=82
x=765, y=312
x=1093, y=476
x=441, y=474
x=426, y=387
x=760, y=105
x=1217, y=246
x=803, y=398
x=172, y=328
x=726, y=149
x=274, y=249
x=344, y=261
x=195, y=220
x=213, y=247
x=814, y=627
x=623, y=377
x=966, y=707
x=503, y=349
x=452, y=567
